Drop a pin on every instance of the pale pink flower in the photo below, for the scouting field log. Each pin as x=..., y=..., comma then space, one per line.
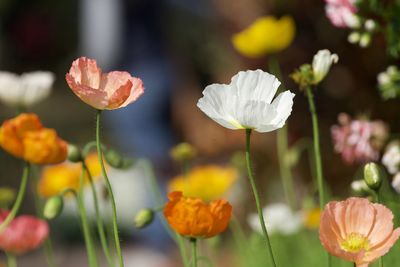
x=100, y=90
x=357, y=230
x=342, y=13
x=358, y=140
x=23, y=234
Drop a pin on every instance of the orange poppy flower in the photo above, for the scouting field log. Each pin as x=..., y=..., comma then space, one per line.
x=357, y=230
x=25, y=137
x=192, y=217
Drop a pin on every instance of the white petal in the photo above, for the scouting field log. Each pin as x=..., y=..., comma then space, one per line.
x=216, y=104
x=282, y=105
x=11, y=92
x=37, y=86
x=255, y=85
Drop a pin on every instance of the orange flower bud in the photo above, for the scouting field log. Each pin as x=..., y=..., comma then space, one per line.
x=192, y=217
x=24, y=137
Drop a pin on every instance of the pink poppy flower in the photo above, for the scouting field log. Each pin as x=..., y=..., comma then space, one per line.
x=100, y=90
x=357, y=230
x=23, y=234
x=342, y=13
x=358, y=140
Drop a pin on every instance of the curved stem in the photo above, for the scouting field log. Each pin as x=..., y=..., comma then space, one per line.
x=109, y=189
x=257, y=197
x=91, y=251
x=11, y=260
x=193, y=241
x=20, y=197
x=160, y=202
x=100, y=225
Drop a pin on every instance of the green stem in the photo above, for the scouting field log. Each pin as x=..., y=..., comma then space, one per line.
x=20, y=197
x=110, y=191
x=193, y=241
x=282, y=144
x=91, y=251
x=317, y=155
x=100, y=225
x=48, y=247
x=160, y=202
x=11, y=260
x=257, y=198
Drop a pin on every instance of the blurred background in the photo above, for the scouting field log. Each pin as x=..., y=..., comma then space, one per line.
x=177, y=48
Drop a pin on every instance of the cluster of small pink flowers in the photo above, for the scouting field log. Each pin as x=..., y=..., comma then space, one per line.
x=342, y=13
x=358, y=140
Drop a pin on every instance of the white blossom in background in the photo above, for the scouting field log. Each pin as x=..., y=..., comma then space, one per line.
x=279, y=219
x=389, y=82
x=396, y=183
x=359, y=186
x=391, y=157
x=322, y=63
x=25, y=90
x=247, y=102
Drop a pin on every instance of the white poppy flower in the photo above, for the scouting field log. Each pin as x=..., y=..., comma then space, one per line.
x=279, y=218
x=246, y=103
x=26, y=89
x=321, y=64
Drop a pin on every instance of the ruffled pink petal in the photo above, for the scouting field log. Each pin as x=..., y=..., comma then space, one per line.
x=93, y=97
x=360, y=216
x=86, y=72
x=137, y=91
x=118, y=86
x=383, y=226
x=24, y=233
x=383, y=248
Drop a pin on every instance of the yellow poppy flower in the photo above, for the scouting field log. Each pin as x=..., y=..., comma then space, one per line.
x=57, y=178
x=207, y=182
x=312, y=218
x=264, y=36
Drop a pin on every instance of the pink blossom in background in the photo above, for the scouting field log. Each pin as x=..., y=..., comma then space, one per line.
x=100, y=90
x=357, y=230
x=358, y=140
x=342, y=13
x=23, y=234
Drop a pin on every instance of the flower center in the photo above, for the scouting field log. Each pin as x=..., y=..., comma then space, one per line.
x=355, y=242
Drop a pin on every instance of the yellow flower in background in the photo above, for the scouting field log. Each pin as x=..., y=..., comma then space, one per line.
x=312, y=218
x=207, y=182
x=264, y=36
x=57, y=178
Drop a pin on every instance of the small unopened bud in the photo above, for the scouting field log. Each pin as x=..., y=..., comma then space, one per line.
x=74, y=153
x=370, y=25
x=183, y=152
x=354, y=37
x=53, y=207
x=114, y=158
x=373, y=175
x=365, y=40
x=7, y=196
x=143, y=218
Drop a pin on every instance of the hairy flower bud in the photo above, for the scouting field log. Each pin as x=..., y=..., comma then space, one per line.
x=53, y=207
x=143, y=218
x=373, y=175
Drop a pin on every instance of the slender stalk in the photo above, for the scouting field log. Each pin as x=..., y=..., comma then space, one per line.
x=257, y=197
x=193, y=241
x=91, y=251
x=48, y=251
x=317, y=155
x=99, y=221
x=11, y=260
x=20, y=197
x=160, y=202
x=110, y=191
x=282, y=145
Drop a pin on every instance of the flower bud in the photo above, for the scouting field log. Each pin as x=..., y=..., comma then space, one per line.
x=183, y=152
x=53, y=207
x=322, y=63
x=74, y=153
x=370, y=25
x=373, y=175
x=7, y=196
x=143, y=218
x=114, y=158
x=354, y=37
x=365, y=40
